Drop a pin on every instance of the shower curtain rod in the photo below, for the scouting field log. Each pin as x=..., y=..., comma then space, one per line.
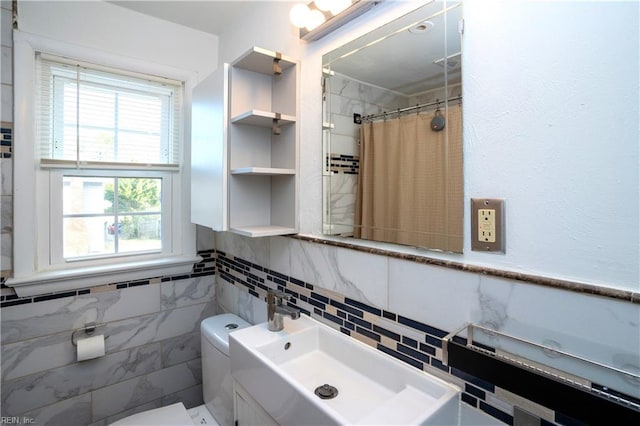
x=407, y=109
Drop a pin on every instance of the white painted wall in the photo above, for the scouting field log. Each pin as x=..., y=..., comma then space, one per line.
x=551, y=103
x=113, y=29
x=551, y=126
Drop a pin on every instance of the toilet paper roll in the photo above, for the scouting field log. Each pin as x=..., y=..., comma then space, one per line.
x=91, y=347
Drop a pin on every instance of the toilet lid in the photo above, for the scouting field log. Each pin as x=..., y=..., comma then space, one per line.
x=171, y=415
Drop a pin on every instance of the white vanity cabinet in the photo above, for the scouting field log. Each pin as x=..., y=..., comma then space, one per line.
x=247, y=412
x=245, y=165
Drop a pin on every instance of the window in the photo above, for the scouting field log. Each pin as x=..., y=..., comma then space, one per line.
x=103, y=123
x=105, y=190
x=108, y=125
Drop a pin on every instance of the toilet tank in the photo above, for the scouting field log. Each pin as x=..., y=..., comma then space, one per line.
x=217, y=385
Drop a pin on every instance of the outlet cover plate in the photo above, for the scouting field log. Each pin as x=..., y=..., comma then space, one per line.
x=496, y=243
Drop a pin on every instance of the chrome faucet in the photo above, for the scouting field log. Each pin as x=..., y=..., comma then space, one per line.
x=276, y=310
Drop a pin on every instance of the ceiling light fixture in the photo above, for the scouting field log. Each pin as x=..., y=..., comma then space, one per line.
x=299, y=15
x=320, y=17
x=314, y=20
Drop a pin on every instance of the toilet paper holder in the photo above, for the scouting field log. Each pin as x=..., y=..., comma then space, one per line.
x=89, y=329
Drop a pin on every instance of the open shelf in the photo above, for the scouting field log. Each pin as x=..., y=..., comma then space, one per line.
x=263, y=163
x=264, y=171
x=262, y=203
x=262, y=118
x=261, y=60
x=263, y=230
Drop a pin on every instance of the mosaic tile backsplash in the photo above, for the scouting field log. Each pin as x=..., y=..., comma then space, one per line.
x=413, y=342
x=6, y=140
x=342, y=163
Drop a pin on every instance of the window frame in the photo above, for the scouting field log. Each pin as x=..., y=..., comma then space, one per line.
x=33, y=271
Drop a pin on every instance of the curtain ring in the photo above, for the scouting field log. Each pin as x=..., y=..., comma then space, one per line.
x=417, y=109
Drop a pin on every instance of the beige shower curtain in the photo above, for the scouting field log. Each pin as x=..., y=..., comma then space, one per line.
x=410, y=182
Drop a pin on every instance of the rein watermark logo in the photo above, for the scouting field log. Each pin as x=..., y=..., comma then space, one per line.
x=15, y=420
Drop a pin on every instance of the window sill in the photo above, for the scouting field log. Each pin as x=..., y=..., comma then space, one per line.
x=73, y=279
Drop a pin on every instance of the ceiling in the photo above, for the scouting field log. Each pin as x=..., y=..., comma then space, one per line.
x=210, y=16
x=403, y=62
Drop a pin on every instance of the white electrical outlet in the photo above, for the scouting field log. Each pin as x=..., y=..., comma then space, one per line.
x=487, y=225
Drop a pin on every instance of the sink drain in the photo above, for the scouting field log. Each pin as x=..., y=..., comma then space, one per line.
x=326, y=391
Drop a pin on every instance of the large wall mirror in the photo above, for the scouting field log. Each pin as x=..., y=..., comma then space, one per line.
x=392, y=132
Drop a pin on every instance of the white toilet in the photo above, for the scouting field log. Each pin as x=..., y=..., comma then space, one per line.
x=217, y=385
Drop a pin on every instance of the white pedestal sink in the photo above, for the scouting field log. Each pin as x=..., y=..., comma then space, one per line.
x=281, y=370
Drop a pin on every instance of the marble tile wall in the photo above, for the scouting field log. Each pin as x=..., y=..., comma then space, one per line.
x=405, y=308
x=152, y=348
x=342, y=201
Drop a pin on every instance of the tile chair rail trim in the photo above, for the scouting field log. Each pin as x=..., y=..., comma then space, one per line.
x=575, y=286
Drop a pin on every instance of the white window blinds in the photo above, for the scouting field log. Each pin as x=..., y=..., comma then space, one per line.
x=95, y=117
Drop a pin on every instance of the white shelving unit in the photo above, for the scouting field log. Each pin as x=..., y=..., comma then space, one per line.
x=260, y=174
x=263, y=144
